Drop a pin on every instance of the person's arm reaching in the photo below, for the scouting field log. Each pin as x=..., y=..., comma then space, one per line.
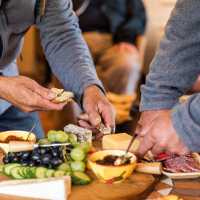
x=70, y=60
x=176, y=64
x=65, y=49
x=173, y=71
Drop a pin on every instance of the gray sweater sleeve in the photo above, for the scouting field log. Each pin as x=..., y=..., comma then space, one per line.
x=175, y=69
x=65, y=49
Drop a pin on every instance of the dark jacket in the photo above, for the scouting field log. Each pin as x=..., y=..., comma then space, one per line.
x=127, y=18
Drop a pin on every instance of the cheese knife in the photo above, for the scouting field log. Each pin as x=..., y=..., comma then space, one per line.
x=17, y=146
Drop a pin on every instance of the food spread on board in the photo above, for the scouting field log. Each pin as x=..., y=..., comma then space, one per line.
x=51, y=159
x=69, y=153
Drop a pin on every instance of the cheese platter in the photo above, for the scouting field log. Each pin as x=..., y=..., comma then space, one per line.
x=36, y=165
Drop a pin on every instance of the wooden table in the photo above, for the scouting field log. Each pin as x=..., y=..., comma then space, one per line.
x=186, y=189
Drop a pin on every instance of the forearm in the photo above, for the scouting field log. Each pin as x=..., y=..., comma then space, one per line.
x=186, y=121
x=2, y=86
x=65, y=49
x=176, y=64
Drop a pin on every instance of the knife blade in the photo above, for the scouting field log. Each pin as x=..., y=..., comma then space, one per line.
x=17, y=146
x=51, y=145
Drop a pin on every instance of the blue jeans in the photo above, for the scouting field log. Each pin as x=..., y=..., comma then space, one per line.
x=14, y=119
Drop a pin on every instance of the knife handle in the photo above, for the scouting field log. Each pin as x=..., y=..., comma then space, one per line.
x=16, y=146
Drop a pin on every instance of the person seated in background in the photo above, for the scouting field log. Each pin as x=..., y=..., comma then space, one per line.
x=111, y=29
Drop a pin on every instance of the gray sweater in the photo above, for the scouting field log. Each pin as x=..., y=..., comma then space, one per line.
x=64, y=47
x=175, y=69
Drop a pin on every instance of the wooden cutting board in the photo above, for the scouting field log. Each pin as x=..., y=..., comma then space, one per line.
x=138, y=186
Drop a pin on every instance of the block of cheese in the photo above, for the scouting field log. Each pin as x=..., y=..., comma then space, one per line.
x=118, y=141
x=52, y=188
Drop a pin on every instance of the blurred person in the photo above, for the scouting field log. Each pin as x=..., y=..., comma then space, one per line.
x=111, y=30
x=68, y=57
x=165, y=124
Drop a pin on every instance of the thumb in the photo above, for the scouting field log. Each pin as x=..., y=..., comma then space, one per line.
x=44, y=92
x=94, y=118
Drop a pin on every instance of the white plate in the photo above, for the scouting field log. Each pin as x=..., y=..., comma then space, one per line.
x=190, y=175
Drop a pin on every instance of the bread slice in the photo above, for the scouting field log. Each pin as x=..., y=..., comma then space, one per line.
x=62, y=96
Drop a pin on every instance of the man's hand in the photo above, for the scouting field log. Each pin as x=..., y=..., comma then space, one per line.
x=156, y=133
x=27, y=94
x=97, y=109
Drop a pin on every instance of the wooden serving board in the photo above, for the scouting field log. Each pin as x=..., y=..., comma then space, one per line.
x=137, y=186
x=186, y=189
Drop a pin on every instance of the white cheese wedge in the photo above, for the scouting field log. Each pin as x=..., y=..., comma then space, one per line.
x=118, y=141
x=52, y=189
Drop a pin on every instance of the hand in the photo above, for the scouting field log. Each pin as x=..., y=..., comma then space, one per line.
x=97, y=109
x=126, y=47
x=27, y=94
x=156, y=133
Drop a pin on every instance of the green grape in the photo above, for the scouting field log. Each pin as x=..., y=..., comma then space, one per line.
x=61, y=136
x=77, y=166
x=51, y=135
x=77, y=154
x=73, y=139
x=43, y=141
x=85, y=146
x=68, y=173
x=64, y=167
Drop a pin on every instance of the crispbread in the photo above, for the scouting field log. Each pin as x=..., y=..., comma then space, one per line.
x=62, y=96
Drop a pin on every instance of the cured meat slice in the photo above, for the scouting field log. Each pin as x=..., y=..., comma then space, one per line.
x=175, y=163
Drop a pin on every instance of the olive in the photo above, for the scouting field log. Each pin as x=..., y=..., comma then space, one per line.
x=6, y=160
x=31, y=163
x=38, y=162
x=54, y=152
x=15, y=159
x=43, y=150
x=55, y=162
x=46, y=158
x=24, y=162
x=19, y=154
x=25, y=155
x=36, y=151
x=35, y=156
x=10, y=155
